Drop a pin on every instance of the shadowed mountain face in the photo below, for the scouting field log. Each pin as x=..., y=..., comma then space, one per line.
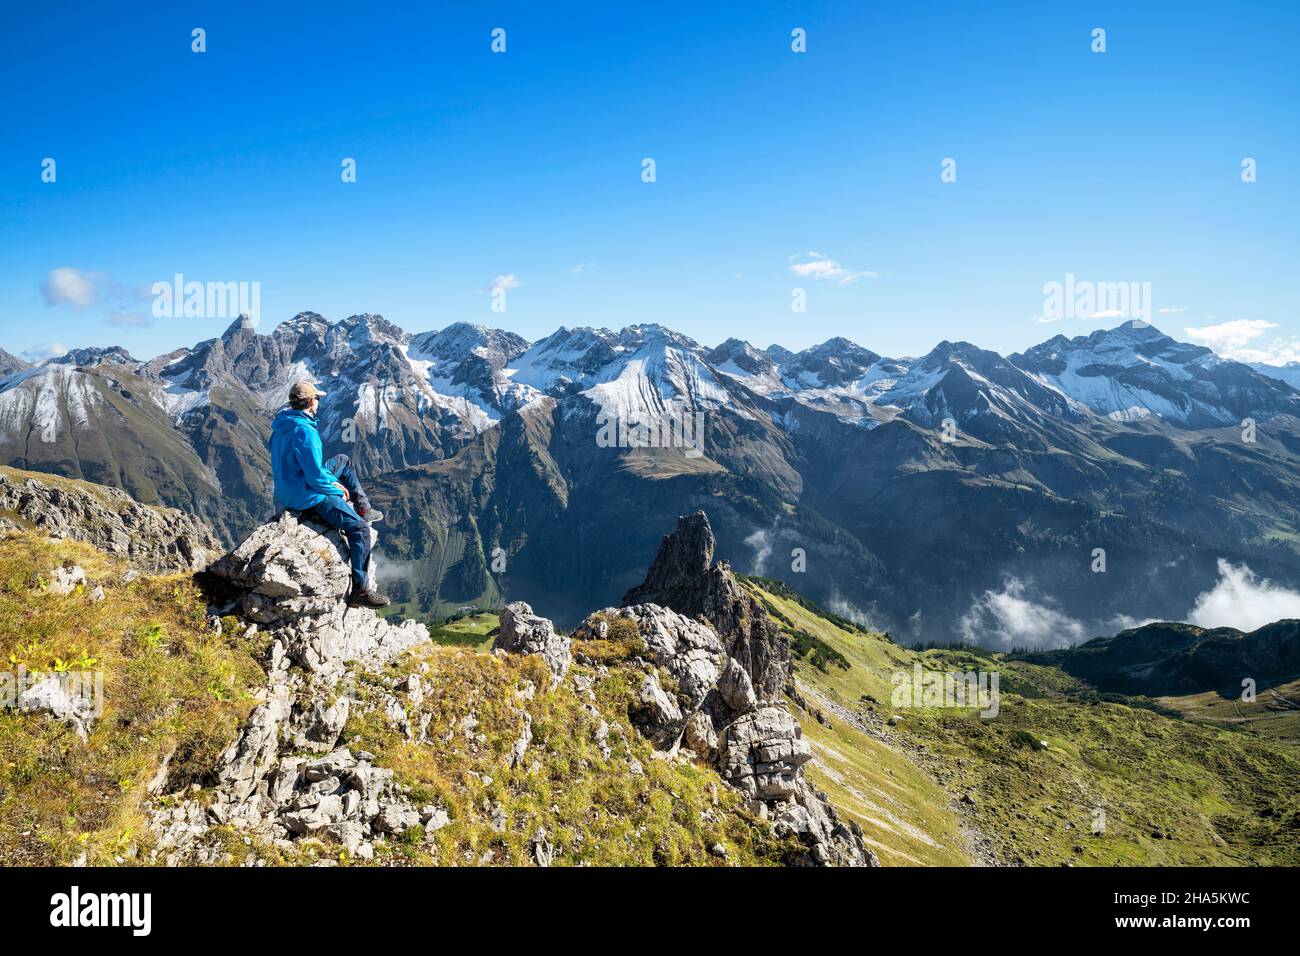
x=961, y=494
x=1173, y=659
x=683, y=577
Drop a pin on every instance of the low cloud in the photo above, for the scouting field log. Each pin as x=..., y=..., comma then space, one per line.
x=762, y=546
x=1008, y=618
x=814, y=265
x=1243, y=600
x=837, y=604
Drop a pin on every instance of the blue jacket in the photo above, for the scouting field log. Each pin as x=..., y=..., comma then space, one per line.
x=301, y=481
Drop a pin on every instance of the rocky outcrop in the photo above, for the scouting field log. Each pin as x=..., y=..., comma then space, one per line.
x=683, y=577
x=523, y=632
x=289, y=578
x=151, y=538
x=290, y=774
x=727, y=663
x=71, y=698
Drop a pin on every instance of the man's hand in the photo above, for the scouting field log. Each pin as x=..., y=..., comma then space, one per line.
x=343, y=491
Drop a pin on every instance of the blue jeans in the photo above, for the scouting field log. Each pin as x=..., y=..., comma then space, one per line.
x=337, y=513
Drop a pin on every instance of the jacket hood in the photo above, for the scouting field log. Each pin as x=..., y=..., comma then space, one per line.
x=291, y=418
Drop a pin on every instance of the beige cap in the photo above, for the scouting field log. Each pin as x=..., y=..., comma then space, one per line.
x=304, y=392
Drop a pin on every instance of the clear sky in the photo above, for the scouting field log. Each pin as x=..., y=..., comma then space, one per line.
x=225, y=166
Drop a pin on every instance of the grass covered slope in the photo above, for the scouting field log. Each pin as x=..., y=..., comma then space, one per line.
x=1030, y=785
x=448, y=720
x=1275, y=712
x=588, y=787
x=172, y=686
x=843, y=674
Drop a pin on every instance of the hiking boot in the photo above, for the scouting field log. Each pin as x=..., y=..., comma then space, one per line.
x=367, y=597
x=371, y=516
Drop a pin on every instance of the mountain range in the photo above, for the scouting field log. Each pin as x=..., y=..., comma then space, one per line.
x=961, y=494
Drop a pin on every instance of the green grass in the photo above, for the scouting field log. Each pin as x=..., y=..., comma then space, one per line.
x=1274, y=712
x=475, y=631
x=174, y=686
x=1216, y=795
x=171, y=686
x=904, y=813
x=934, y=787
x=594, y=808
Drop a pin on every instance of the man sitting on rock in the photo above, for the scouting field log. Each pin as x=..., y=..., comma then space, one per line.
x=327, y=492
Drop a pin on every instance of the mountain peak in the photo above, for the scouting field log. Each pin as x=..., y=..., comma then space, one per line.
x=461, y=339
x=303, y=320
x=684, y=555
x=836, y=344
x=241, y=326
x=83, y=358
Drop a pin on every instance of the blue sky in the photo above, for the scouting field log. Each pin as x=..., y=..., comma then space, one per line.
x=225, y=166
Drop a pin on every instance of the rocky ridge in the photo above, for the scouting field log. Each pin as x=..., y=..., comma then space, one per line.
x=153, y=539
x=289, y=578
x=710, y=691
x=718, y=667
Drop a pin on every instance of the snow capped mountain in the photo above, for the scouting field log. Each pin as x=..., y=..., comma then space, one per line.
x=640, y=375
x=114, y=355
x=955, y=380
x=479, y=439
x=35, y=401
x=834, y=363
x=656, y=373
x=466, y=364
x=422, y=396
x=980, y=391
x=1135, y=371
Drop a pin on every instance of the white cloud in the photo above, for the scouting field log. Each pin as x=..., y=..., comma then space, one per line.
x=1233, y=340
x=1226, y=336
x=501, y=283
x=1240, y=599
x=39, y=353
x=1008, y=618
x=82, y=289
x=814, y=265
x=1280, y=352
x=1171, y=311
x=581, y=267
x=71, y=286
x=1109, y=314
